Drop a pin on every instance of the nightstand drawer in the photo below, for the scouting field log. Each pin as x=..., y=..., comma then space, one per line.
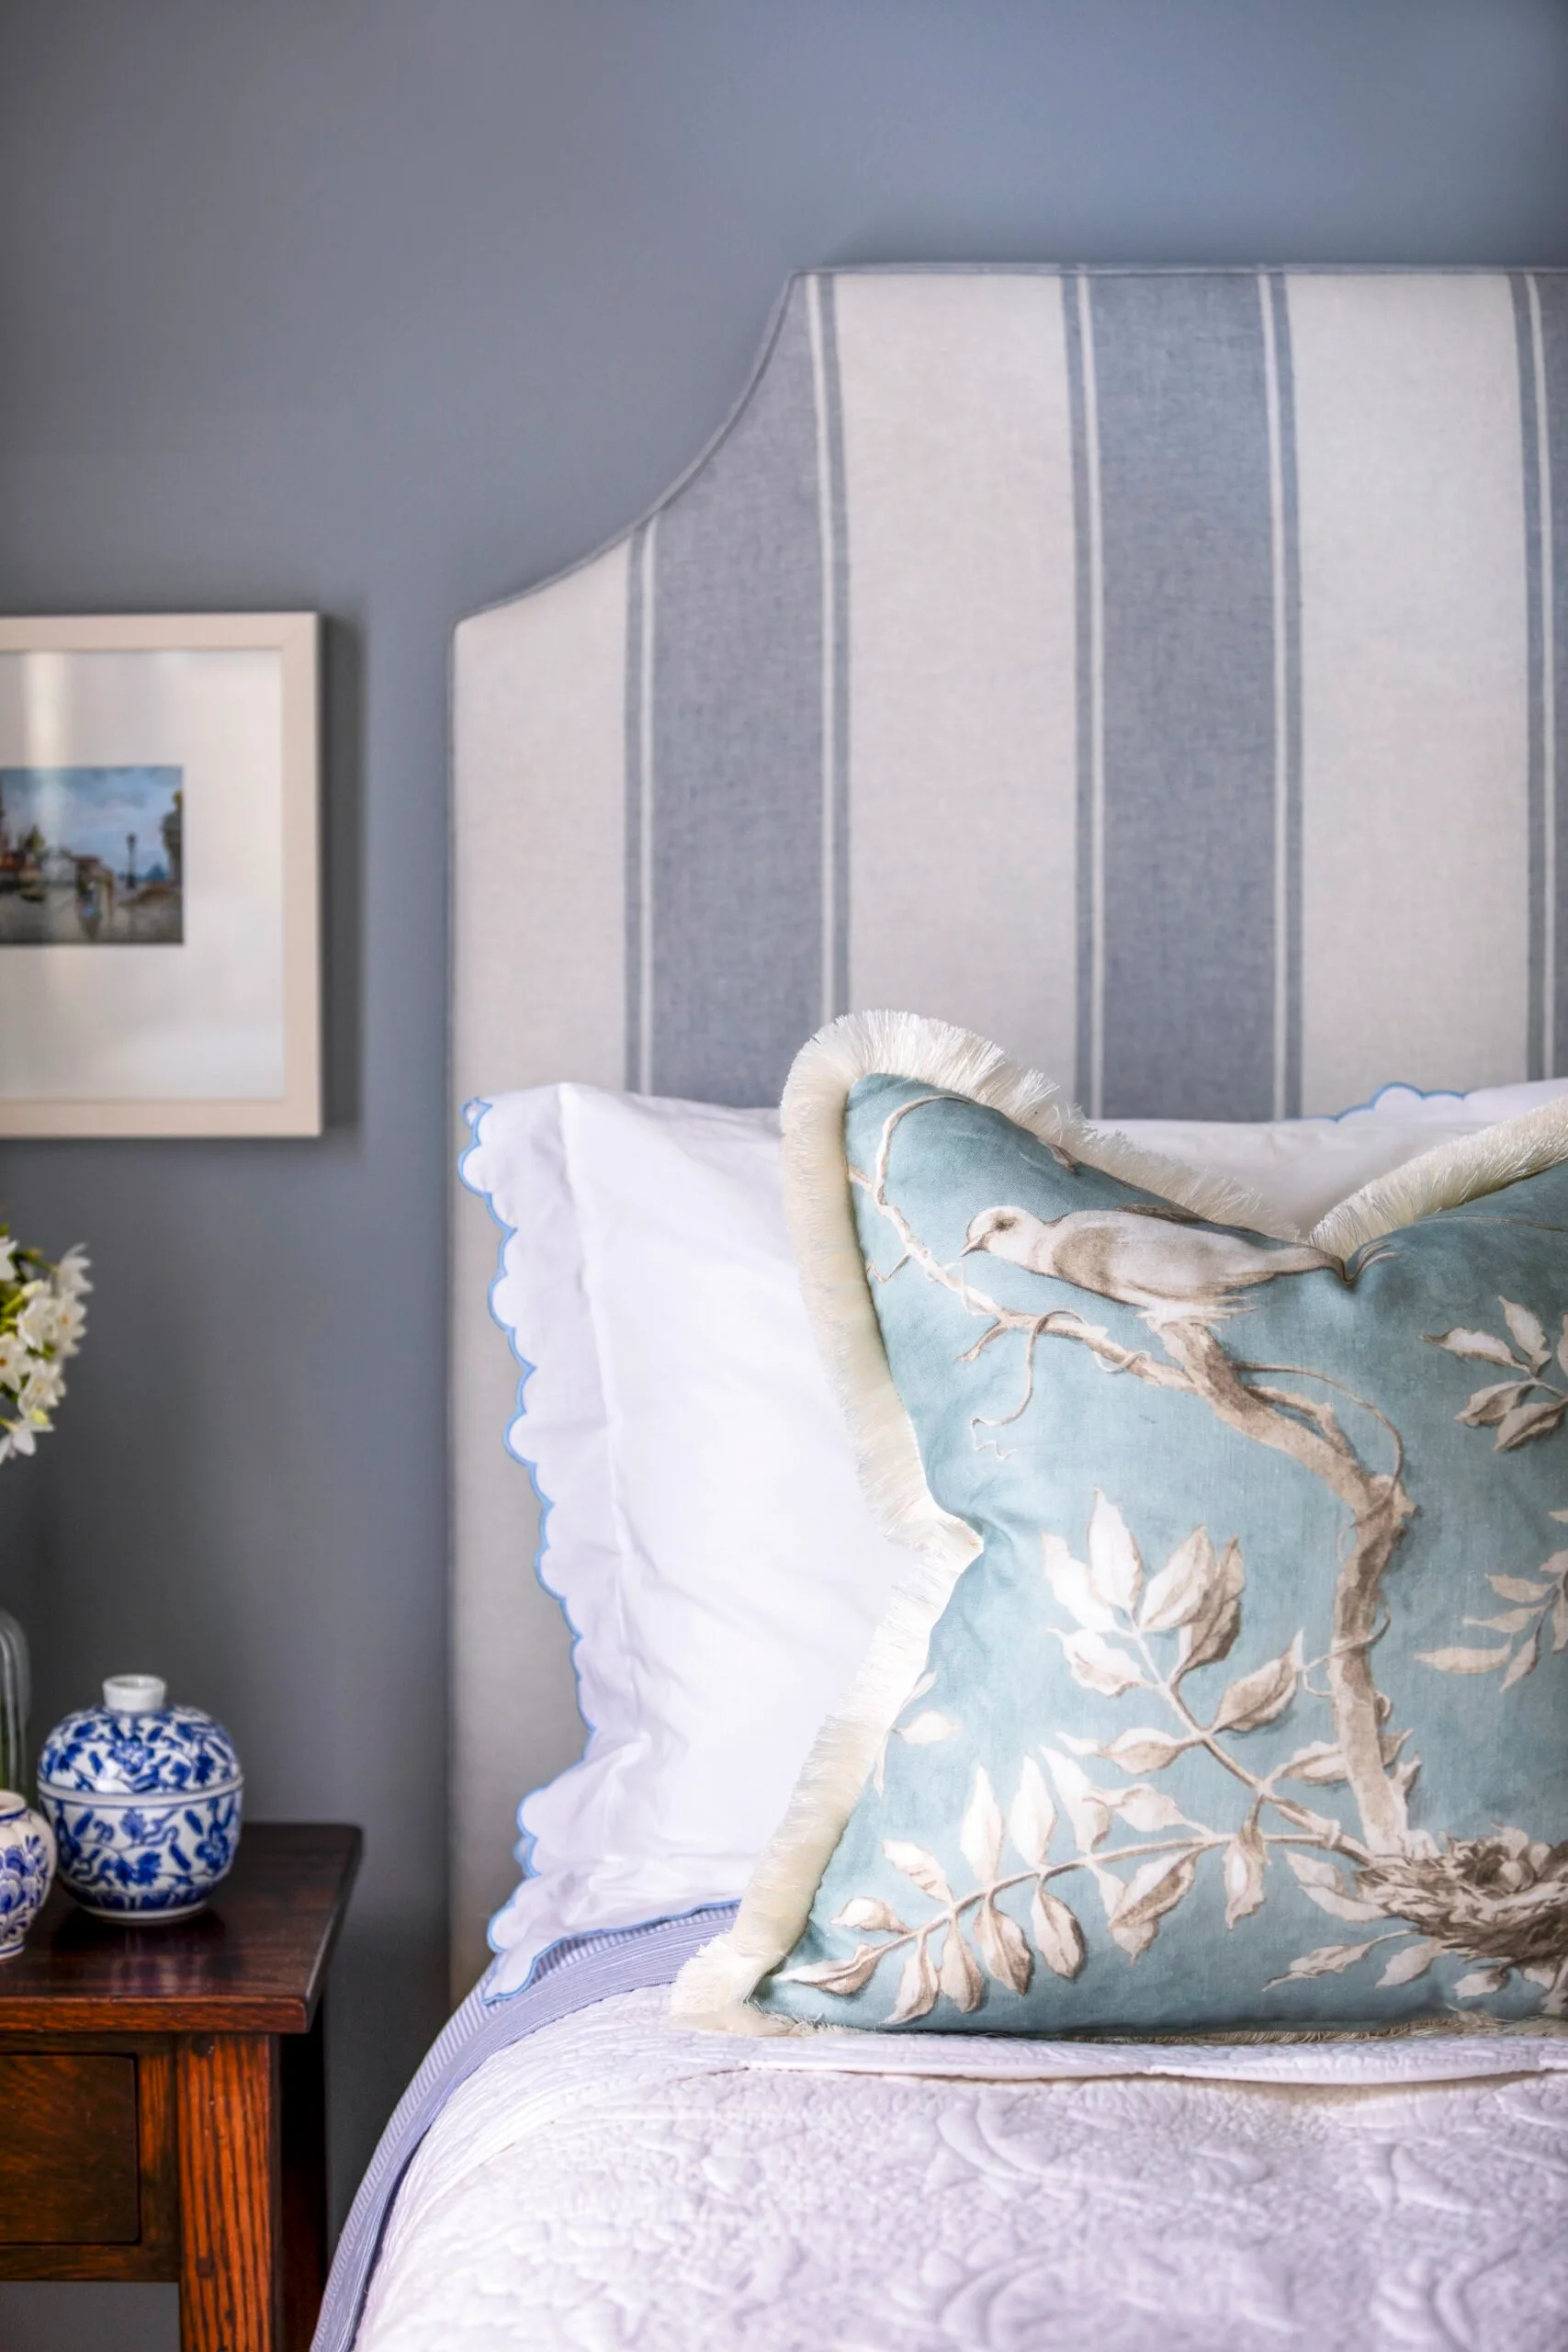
x=68, y=2150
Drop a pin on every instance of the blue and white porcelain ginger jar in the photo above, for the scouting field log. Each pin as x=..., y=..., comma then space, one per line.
x=27, y=1866
x=145, y=1803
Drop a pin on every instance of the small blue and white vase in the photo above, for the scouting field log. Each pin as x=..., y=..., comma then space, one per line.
x=145, y=1803
x=26, y=1868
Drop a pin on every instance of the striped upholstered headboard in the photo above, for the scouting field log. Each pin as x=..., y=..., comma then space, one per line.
x=1164, y=672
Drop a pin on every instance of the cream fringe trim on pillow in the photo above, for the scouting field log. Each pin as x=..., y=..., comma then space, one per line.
x=713, y=1988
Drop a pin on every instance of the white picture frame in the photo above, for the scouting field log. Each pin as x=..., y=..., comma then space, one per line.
x=178, y=991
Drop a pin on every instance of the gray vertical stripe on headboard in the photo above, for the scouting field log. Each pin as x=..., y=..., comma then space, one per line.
x=834, y=530
x=1190, y=817
x=734, y=606
x=1545, y=375
x=639, y=827
x=1287, y=637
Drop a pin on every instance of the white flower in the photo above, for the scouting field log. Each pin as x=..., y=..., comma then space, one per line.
x=48, y=1319
x=71, y=1274
x=38, y=1322
x=43, y=1389
x=71, y=1318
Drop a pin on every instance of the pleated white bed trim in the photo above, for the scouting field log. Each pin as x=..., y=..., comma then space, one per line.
x=714, y=1987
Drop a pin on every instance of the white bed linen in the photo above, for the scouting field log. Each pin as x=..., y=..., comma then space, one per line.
x=611, y=2184
x=707, y=1533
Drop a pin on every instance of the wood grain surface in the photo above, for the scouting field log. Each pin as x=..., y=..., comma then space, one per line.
x=152, y=2249
x=68, y=2150
x=226, y=2088
x=161, y=2096
x=254, y=1962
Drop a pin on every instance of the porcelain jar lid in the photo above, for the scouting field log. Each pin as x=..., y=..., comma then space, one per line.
x=135, y=1694
x=135, y=1745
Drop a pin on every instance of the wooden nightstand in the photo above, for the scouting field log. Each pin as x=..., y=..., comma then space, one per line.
x=163, y=2098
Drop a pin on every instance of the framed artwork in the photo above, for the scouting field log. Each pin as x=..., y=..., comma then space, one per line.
x=160, y=959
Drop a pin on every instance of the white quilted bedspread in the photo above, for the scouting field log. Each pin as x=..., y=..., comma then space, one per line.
x=611, y=2184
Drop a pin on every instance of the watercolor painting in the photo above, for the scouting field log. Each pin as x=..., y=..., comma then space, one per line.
x=91, y=856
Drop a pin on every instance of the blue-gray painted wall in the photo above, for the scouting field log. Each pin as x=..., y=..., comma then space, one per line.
x=387, y=308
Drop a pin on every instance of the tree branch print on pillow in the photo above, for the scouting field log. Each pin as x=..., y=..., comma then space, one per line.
x=1521, y=1408
x=1127, y=1635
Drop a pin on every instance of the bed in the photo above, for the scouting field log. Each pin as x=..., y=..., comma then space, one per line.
x=1158, y=672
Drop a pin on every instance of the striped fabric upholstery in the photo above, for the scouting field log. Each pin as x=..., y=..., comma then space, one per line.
x=1165, y=673
x=1155, y=670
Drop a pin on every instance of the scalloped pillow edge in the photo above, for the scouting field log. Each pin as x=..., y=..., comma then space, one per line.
x=714, y=1989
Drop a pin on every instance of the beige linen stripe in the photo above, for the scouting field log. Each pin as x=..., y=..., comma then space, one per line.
x=1414, y=682
x=538, y=950
x=962, y=738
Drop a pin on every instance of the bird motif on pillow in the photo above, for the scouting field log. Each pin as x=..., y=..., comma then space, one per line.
x=1158, y=1259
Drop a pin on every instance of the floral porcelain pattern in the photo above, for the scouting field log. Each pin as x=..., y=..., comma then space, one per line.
x=1225, y=1751
x=145, y=1806
x=27, y=1870
x=168, y=1751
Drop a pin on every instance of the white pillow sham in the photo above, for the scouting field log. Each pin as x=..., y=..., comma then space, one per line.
x=705, y=1532
x=1302, y=1168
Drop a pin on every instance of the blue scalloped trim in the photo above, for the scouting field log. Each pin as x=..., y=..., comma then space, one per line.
x=474, y=1113
x=1399, y=1086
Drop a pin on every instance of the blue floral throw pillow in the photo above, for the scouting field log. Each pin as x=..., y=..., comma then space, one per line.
x=1231, y=1692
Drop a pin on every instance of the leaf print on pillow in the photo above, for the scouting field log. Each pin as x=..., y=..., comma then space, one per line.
x=1528, y=1333
x=1154, y=1889
x=1245, y=1859
x=1327, y=1960
x=1088, y=1808
x=1480, y=1347
x=869, y=1911
x=1519, y=1416
x=1183, y=1587
x=916, y=1986
x=1210, y=1633
x=840, y=1976
x=980, y=1833
x=1512, y=1408
x=1100, y=1664
x=1199, y=1586
x=917, y=1864
x=1115, y=1563
x=1211, y=1575
x=999, y=1941
x=927, y=1729
x=1069, y=1581
x=1032, y=1816
x=1464, y=1661
x=1145, y=1750
x=1256, y=1698
x=958, y=1977
x=1319, y=1765
x=1148, y=1810
x=1058, y=1939
x=1412, y=1961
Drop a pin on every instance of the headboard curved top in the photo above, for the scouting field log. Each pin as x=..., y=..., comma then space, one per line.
x=1164, y=672
x=1153, y=669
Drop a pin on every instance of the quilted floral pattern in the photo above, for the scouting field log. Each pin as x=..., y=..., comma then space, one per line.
x=607, y=2186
